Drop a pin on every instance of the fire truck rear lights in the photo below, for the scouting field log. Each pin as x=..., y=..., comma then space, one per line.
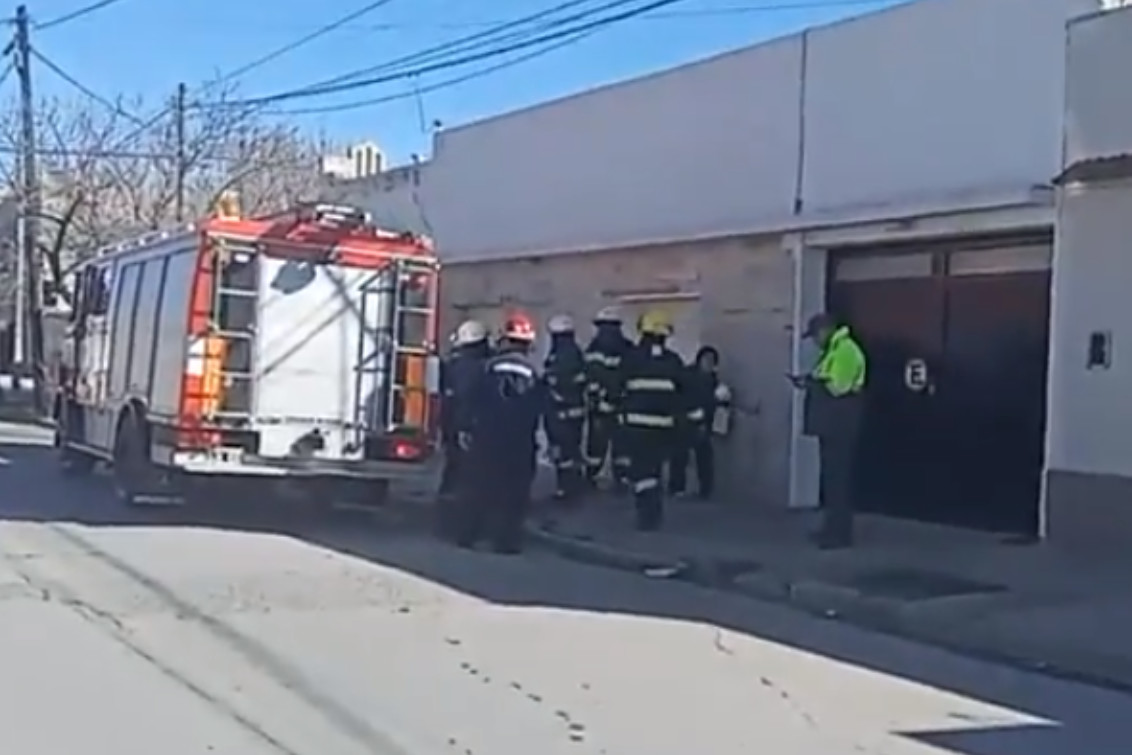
x=405, y=450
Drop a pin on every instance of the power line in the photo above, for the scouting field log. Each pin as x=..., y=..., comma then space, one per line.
x=261, y=61
x=735, y=10
x=58, y=71
x=8, y=69
x=456, y=61
x=117, y=154
x=96, y=6
x=304, y=40
x=462, y=43
x=463, y=46
x=439, y=85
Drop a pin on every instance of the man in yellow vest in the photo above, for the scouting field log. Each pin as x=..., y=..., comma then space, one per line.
x=834, y=408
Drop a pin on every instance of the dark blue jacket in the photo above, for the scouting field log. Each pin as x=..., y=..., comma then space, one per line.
x=506, y=409
x=458, y=377
x=565, y=376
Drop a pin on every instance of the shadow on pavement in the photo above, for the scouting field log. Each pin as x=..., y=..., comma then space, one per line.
x=1079, y=717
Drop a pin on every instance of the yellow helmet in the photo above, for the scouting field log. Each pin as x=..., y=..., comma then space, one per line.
x=655, y=322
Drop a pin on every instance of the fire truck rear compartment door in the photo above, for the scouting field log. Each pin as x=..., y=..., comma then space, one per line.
x=311, y=326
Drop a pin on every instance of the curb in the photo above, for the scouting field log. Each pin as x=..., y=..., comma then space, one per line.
x=596, y=554
x=920, y=623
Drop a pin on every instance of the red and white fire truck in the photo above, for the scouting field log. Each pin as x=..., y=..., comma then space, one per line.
x=300, y=348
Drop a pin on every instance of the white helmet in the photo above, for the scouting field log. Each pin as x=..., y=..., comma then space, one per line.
x=560, y=325
x=469, y=332
x=611, y=315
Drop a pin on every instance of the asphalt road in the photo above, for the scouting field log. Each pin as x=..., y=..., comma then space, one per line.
x=246, y=630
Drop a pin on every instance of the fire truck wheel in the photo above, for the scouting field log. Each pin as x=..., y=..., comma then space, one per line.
x=133, y=470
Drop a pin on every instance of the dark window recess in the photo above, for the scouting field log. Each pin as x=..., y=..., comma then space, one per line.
x=416, y=290
x=235, y=313
x=413, y=330
x=100, y=290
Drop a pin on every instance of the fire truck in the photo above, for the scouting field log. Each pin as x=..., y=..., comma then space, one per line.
x=299, y=348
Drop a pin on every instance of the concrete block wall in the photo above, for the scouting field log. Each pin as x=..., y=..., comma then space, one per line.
x=745, y=292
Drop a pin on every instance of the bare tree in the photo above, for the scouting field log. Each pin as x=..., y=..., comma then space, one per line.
x=109, y=173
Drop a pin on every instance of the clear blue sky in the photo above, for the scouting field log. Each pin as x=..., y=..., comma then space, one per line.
x=145, y=47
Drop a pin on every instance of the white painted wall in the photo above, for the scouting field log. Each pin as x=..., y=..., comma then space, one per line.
x=1090, y=414
x=394, y=198
x=677, y=154
x=1099, y=92
x=934, y=100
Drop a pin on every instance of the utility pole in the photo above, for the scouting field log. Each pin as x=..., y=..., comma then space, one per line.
x=30, y=210
x=179, y=114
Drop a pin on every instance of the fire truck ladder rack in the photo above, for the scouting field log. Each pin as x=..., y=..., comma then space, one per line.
x=372, y=365
x=235, y=308
x=404, y=388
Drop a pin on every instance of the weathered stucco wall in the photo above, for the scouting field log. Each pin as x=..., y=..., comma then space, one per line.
x=743, y=307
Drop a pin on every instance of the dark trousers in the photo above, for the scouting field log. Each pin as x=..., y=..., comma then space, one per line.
x=566, y=449
x=648, y=451
x=605, y=438
x=494, y=503
x=838, y=459
x=451, y=496
x=453, y=463
x=695, y=447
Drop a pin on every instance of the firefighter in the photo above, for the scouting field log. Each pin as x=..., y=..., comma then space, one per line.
x=506, y=406
x=565, y=377
x=652, y=403
x=603, y=374
x=704, y=394
x=459, y=373
x=834, y=407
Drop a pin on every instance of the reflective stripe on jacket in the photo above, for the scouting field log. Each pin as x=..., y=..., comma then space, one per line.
x=604, y=358
x=653, y=389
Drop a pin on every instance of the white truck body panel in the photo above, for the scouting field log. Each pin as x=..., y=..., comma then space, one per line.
x=314, y=330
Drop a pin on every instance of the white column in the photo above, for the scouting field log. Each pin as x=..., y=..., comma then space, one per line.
x=809, y=299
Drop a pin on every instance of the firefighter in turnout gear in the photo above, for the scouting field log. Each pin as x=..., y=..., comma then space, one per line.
x=458, y=376
x=653, y=403
x=565, y=376
x=604, y=356
x=507, y=404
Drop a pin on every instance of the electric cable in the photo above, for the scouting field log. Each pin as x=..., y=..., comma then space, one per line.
x=455, y=61
x=75, y=14
x=304, y=40
x=439, y=85
x=458, y=44
x=58, y=71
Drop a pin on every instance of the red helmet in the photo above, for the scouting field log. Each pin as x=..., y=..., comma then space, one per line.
x=519, y=327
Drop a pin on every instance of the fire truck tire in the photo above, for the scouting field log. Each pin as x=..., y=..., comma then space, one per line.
x=133, y=471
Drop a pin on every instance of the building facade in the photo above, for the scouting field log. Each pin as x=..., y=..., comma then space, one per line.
x=1089, y=477
x=867, y=167
x=357, y=161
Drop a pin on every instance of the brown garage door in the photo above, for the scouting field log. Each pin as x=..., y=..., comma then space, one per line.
x=957, y=339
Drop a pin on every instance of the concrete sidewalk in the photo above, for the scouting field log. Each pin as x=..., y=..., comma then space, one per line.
x=976, y=593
